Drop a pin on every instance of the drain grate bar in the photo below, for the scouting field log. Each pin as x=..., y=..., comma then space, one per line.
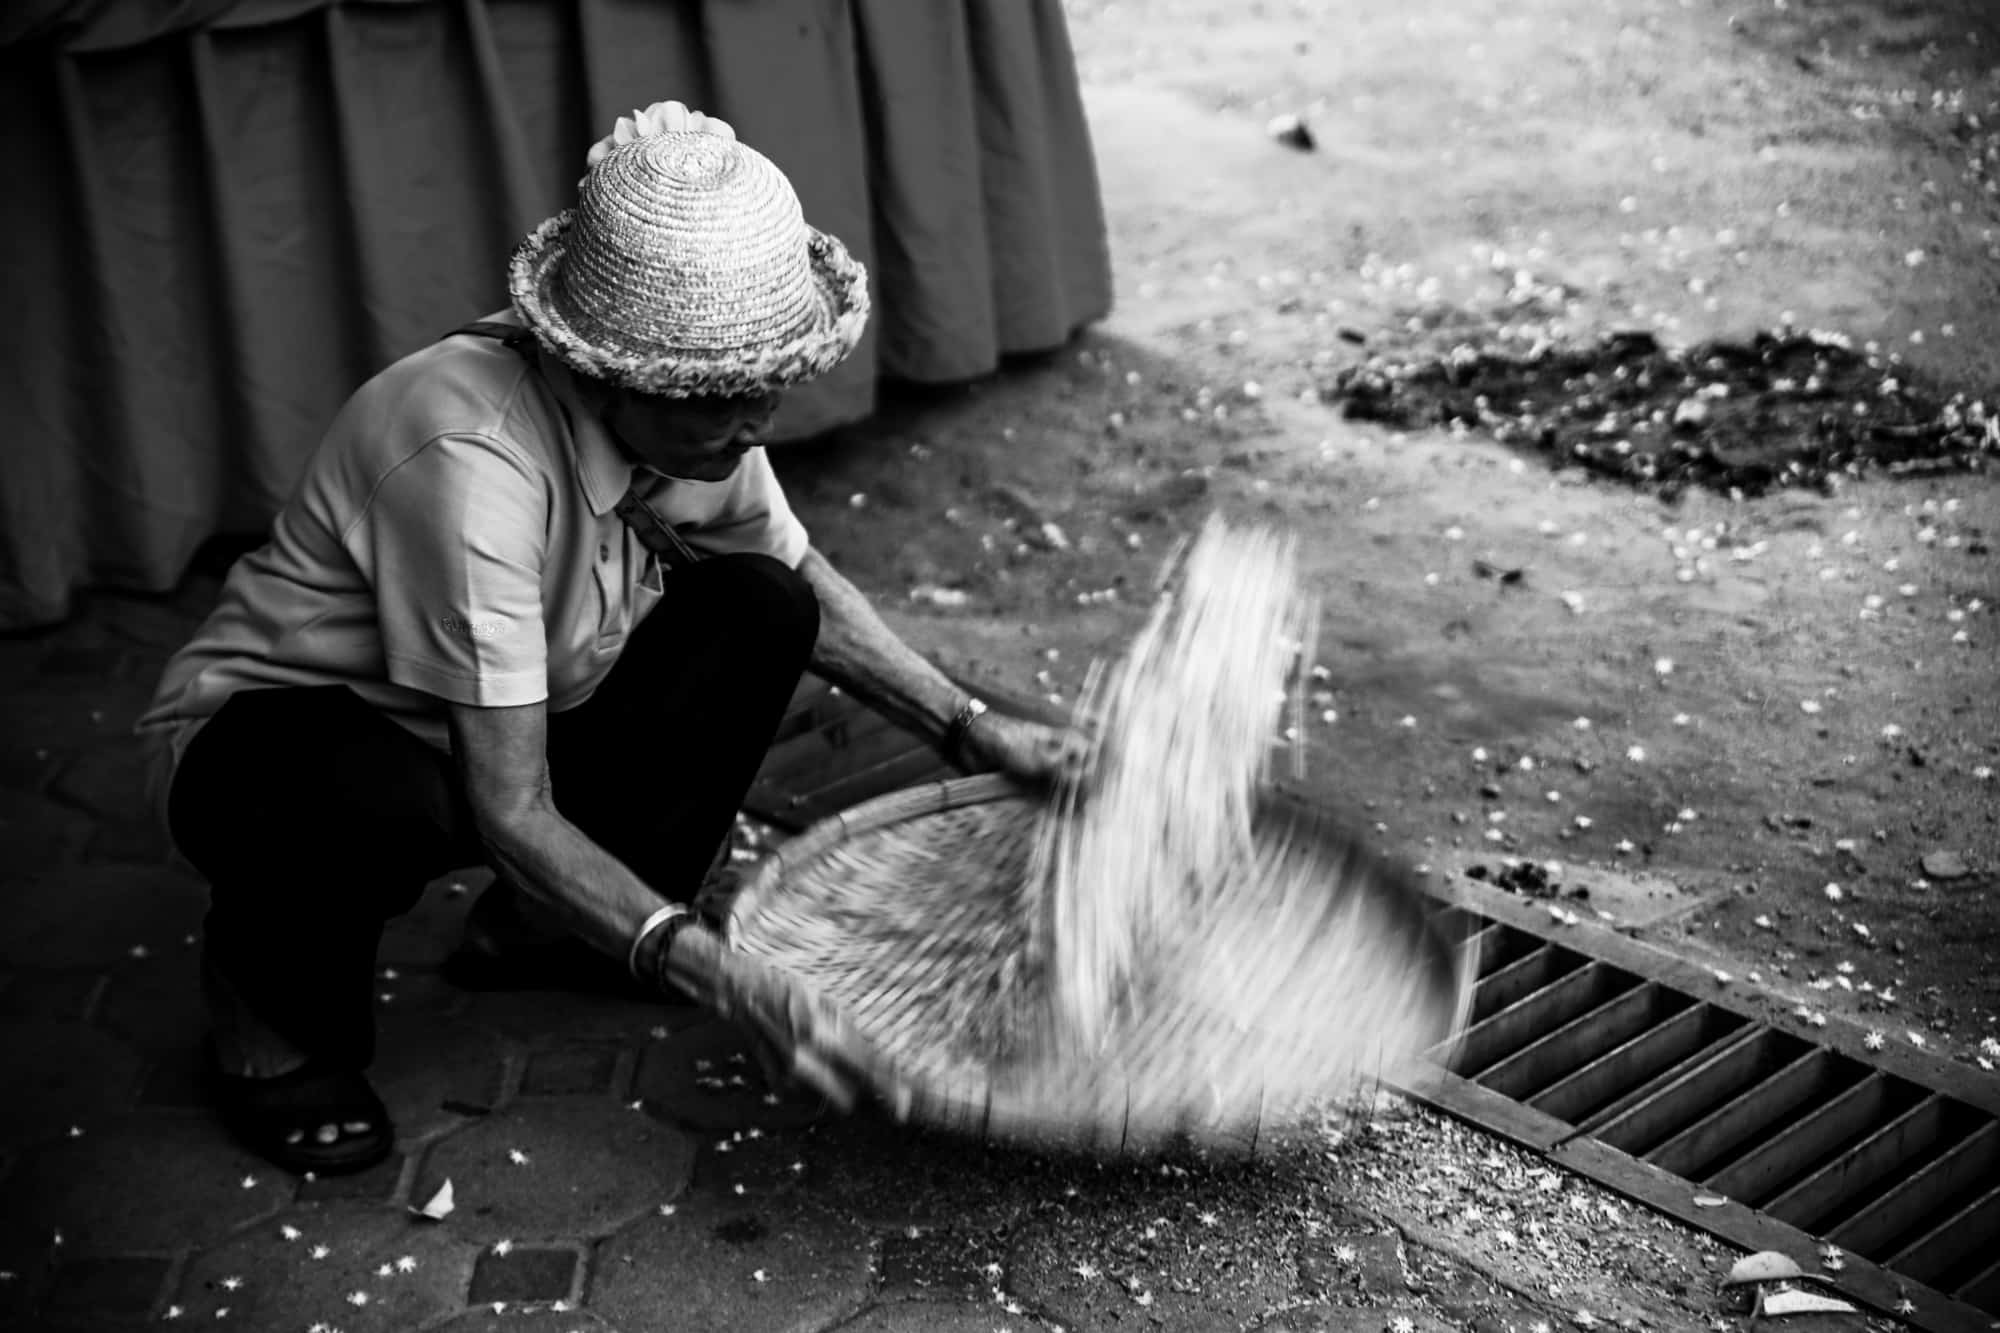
x=1571, y=994
x=1726, y=1129
x=1820, y=1195
x=1583, y=1091
x=1765, y=1167
x=1913, y=1200
x=1737, y=1063
x=1951, y=1241
x=1712, y=1104
x=1520, y=978
x=1722, y=1034
x=1589, y=1035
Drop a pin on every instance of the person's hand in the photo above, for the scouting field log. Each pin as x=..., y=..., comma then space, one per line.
x=659, y=118
x=793, y=1032
x=1027, y=750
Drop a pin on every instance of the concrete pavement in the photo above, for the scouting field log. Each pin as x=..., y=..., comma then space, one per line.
x=614, y=1165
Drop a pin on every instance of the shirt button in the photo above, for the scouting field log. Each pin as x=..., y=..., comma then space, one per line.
x=604, y=552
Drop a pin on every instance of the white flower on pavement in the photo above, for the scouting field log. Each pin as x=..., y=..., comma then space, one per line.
x=1873, y=1041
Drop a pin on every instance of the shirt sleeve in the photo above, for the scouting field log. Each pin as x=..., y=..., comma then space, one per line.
x=754, y=517
x=453, y=541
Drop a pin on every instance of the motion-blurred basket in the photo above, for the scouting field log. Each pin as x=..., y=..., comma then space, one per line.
x=1167, y=950
x=913, y=916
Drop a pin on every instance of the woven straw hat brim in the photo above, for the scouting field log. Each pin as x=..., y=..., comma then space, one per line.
x=839, y=301
x=897, y=917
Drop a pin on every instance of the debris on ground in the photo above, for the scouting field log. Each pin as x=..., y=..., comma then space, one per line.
x=1788, y=408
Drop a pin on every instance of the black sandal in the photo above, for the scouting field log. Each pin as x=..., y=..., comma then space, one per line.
x=266, y=1113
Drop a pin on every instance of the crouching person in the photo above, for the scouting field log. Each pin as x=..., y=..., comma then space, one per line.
x=538, y=602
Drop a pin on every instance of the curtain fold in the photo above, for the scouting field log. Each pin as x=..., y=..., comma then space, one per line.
x=226, y=214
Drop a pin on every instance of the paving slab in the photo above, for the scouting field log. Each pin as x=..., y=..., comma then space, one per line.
x=505, y=1318
x=548, y=1017
x=155, y=1004
x=101, y=916
x=425, y=935
x=1211, y=1257
x=934, y=1265
x=359, y=1270
x=37, y=836
x=149, y=1183
x=1344, y=1266
x=435, y=1073
x=114, y=1286
x=526, y=1275
x=1354, y=1319
x=58, y=996
x=727, y=1264
x=59, y=1075
x=894, y=1177
x=541, y=1170
x=704, y=1075
x=107, y=781
x=935, y=1317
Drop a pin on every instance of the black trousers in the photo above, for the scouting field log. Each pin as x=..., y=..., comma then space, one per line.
x=315, y=818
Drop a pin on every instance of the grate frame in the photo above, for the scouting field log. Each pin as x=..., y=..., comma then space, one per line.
x=1806, y=1117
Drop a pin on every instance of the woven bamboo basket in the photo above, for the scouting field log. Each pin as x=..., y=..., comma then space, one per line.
x=910, y=917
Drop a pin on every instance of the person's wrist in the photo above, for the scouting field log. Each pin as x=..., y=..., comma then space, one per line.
x=959, y=730
x=650, y=946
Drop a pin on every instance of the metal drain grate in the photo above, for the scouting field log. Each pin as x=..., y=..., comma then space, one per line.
x=1727, y=1111
x=1634, y=1068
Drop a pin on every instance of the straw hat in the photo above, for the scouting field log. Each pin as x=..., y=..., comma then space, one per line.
x=687, y=268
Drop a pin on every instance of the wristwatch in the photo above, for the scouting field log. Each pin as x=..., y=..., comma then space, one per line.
x=961, y=725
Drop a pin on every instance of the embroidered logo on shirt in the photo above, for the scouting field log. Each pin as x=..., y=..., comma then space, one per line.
x=475, y=629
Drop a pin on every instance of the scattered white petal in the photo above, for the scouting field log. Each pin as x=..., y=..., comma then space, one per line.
x=290, y=1232
x=517, y=1157
x=357, y=1298
x=1085, y=1270
x=1808, y=705
x=1916, y=1039
x=1873, y=1041
x=1636, y=753
x=231, y=1283
x=1834, y=893
x=1906, y=1306
x=320, y=1251
x=503, y=1247
x=406, y=1264
x=759, y=1275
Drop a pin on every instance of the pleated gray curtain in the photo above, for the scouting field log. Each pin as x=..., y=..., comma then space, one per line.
x=222, y=218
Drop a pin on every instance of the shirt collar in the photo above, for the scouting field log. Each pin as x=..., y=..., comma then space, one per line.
x=602, y=469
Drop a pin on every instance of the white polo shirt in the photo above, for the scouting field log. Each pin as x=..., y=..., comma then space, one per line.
x=453, y=540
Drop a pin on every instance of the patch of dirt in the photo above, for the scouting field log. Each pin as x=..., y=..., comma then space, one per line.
x=1785, y=409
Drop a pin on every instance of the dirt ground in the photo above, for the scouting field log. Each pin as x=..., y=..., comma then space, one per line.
x=1739, y=725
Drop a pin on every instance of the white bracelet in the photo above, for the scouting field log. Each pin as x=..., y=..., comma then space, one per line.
x=668, y=913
